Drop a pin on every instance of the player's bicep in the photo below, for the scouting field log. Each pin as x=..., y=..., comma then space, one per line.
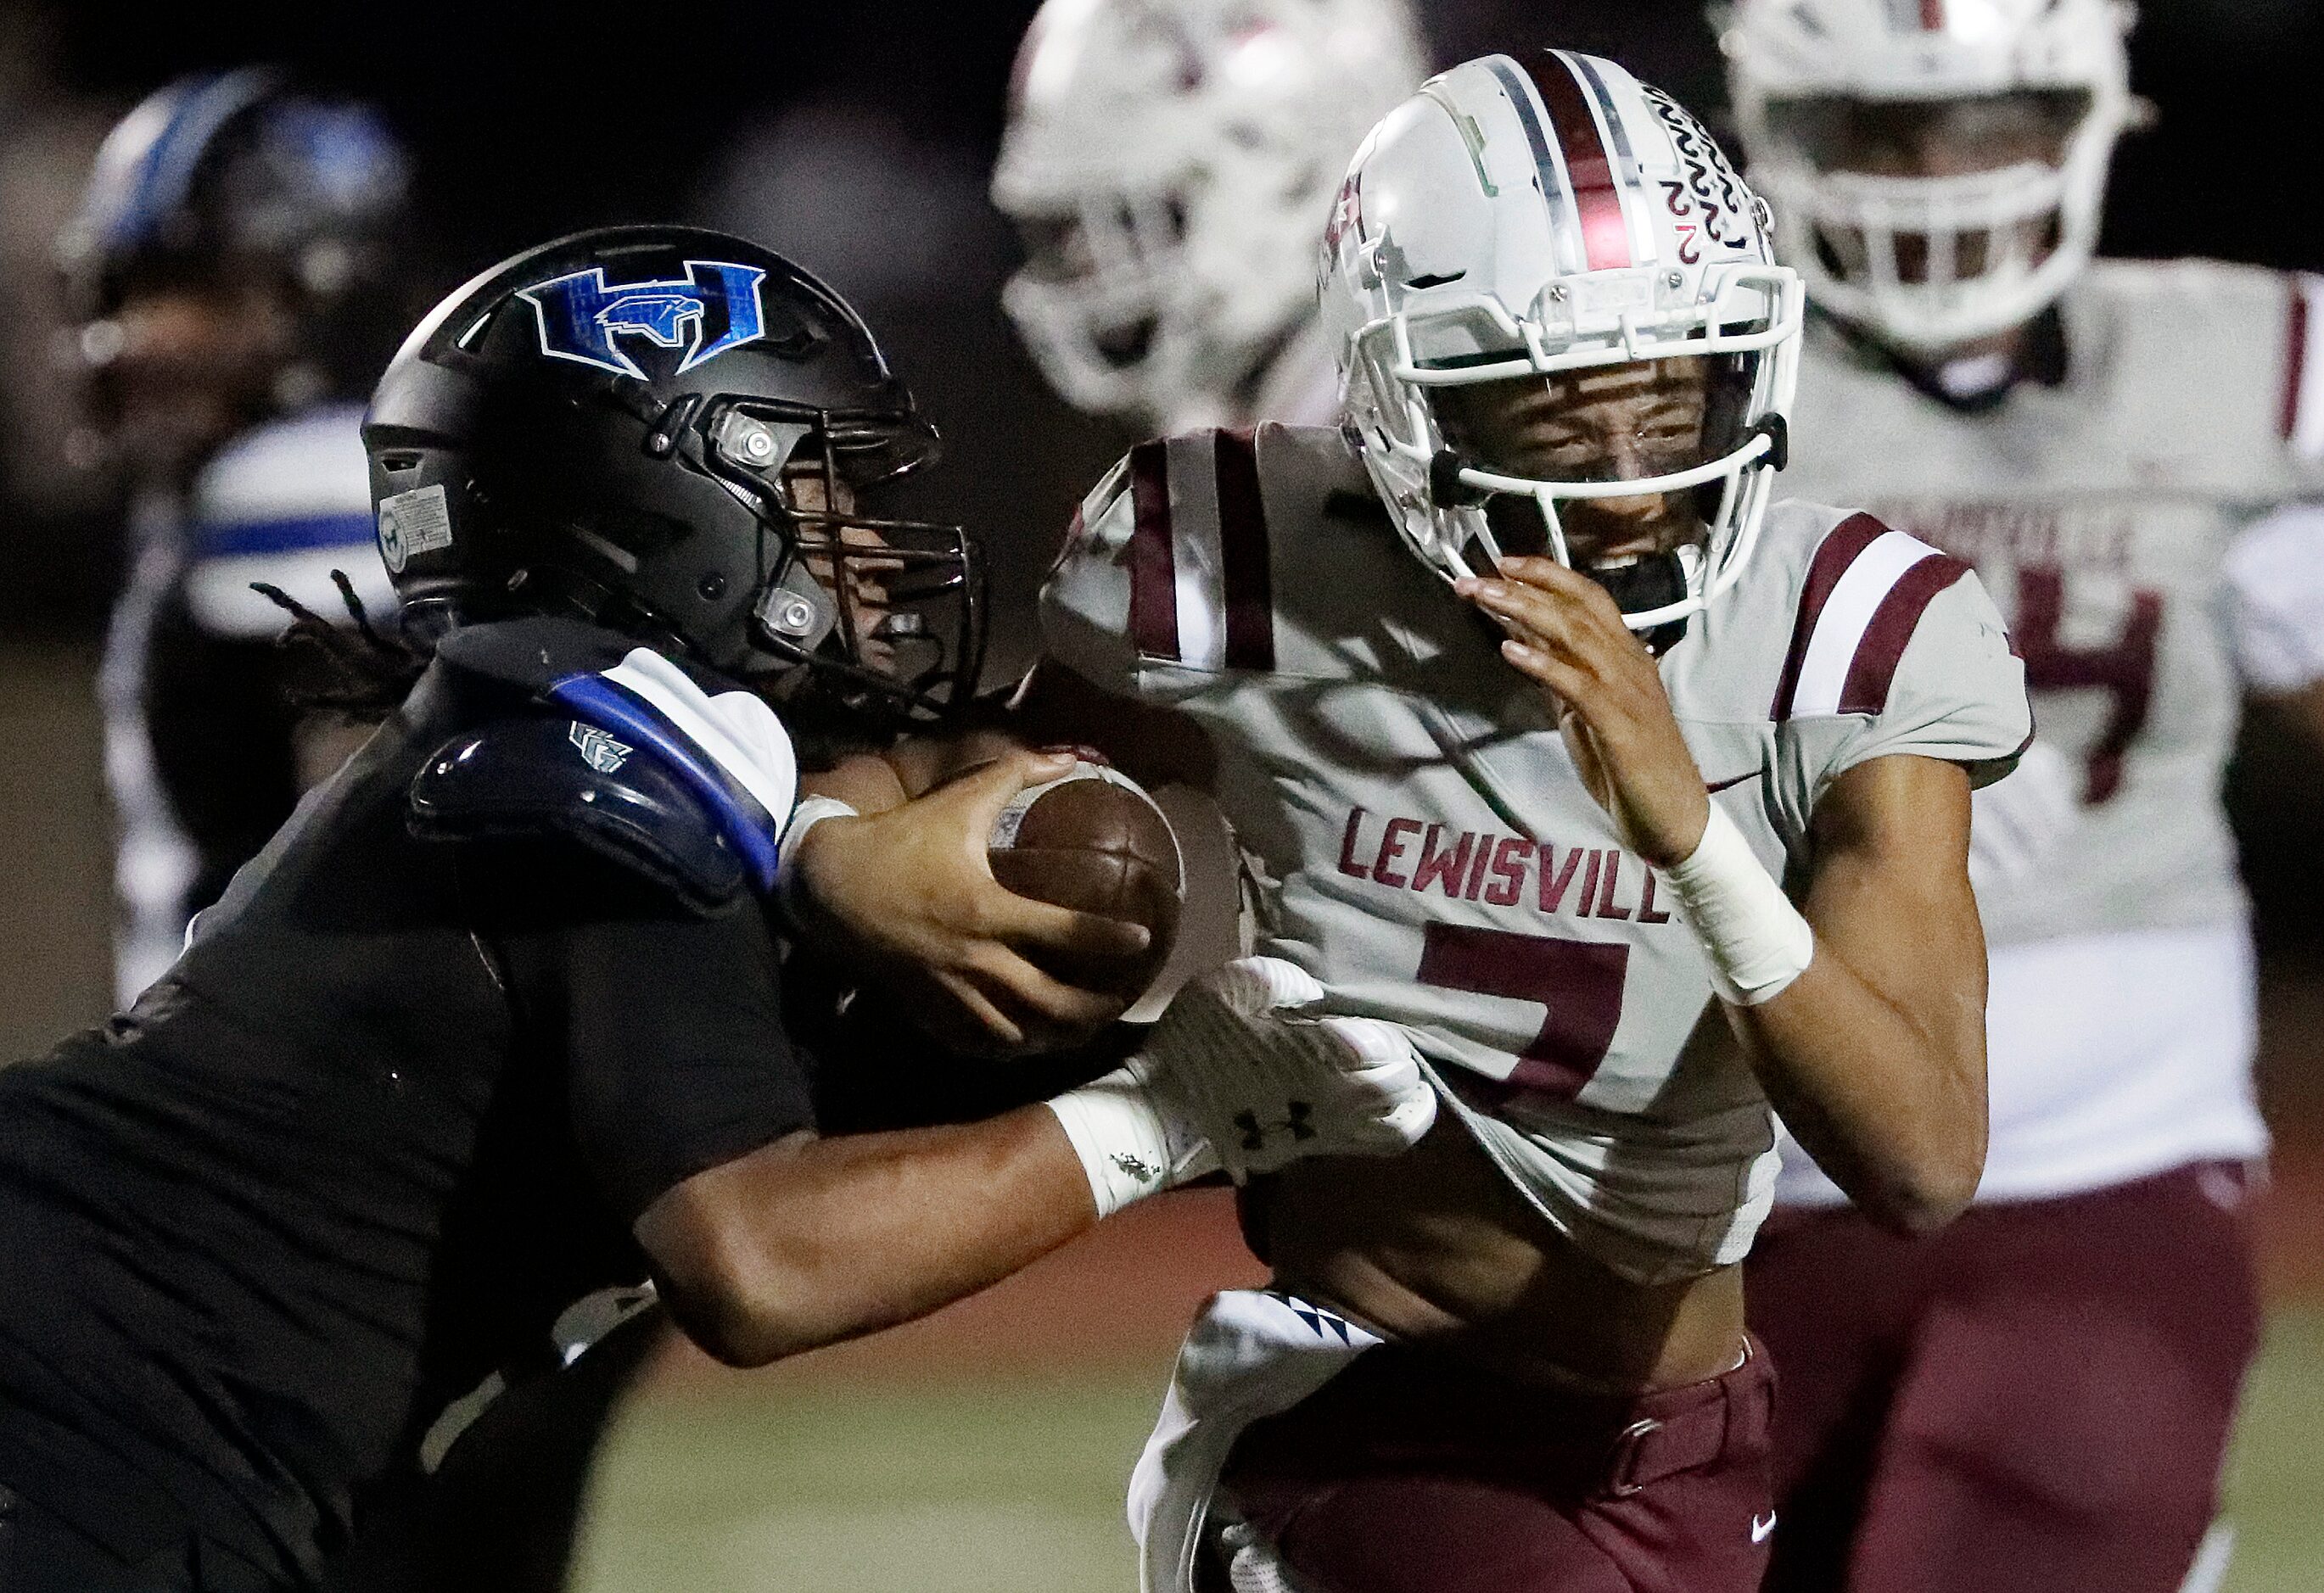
x=1888, y=891
x=667, y=1023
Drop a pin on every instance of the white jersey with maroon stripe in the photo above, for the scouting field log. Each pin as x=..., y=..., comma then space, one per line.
x=1299, y=386
x=2107, y=515
x=1423, y=844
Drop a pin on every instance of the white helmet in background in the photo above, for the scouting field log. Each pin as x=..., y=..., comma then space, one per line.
x=1931, y=261
x=1171, y=163
x=1521, y=218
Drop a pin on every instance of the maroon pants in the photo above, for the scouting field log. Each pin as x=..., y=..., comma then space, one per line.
x=1410, y=1473
x=2037, y=1398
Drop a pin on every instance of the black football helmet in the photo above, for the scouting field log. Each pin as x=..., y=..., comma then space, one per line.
x=668, y=431
x=247, y=177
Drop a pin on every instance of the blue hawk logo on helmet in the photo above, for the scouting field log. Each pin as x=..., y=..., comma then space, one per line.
x=713, y=307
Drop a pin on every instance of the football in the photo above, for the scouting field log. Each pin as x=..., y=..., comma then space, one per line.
x=1092, y=840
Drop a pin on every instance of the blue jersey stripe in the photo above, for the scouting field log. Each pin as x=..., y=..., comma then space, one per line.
x=225, y=538
x=614, y=709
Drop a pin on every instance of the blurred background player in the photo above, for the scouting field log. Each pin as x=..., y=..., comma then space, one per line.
x=2041, y=1397
x=231, y=275
x=1169, y=165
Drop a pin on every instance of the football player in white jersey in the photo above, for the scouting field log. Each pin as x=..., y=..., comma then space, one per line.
x=2041, y=1397
x=1528, y=706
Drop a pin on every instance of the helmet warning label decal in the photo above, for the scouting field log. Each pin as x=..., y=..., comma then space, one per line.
x=413, y=522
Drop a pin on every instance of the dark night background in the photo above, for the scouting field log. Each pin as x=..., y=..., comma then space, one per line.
x=858, y=135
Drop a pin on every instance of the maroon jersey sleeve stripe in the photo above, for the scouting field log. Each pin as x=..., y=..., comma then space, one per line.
x=1605, y=235
x=1873, y=670
x=1838, y=550
x=1152, y=573
x=1245, y=566
x=1933, y=16
x=2295, y=358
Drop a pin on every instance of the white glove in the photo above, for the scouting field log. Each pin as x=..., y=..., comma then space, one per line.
x=2015, y=822
x=1231, y=1077
x=1265, y=1087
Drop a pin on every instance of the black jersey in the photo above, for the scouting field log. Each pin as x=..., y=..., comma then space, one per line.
x=397, y=1104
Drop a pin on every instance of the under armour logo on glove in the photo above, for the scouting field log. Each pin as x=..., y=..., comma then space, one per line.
x=1266, y=1084
x=1295, y=1123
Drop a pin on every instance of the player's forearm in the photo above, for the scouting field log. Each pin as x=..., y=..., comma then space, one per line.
x=1890, y=1104
x=817, y=1240
x=1875, y=1052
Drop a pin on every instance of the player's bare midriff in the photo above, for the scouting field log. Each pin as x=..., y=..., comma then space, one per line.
x=1435, y=1246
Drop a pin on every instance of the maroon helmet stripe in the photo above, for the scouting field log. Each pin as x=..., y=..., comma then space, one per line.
x=1873, y=670
x=1596, y=193
x=1933, y=16
x=1839, y=550
x=1245, y=567
x=2295, y=359
x=1153, y=573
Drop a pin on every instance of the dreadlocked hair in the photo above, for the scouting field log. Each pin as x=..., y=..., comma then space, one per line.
x=364, y=676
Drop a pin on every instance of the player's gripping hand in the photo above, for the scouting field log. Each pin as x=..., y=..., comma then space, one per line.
x=1565, y=633
x=1236, y=1075
x=906, y=898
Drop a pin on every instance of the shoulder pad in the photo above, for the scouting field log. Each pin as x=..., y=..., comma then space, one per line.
x=533, y=778
x=726, y=747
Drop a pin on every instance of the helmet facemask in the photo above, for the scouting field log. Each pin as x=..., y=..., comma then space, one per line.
x=1695, y=485
x=882, y=617
x=1102, y=300
x=1939, y=222
x=1938, y=172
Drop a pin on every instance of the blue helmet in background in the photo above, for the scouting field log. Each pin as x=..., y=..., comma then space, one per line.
x=243, y=178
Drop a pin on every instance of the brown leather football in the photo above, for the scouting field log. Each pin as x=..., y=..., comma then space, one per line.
x=1096, y=841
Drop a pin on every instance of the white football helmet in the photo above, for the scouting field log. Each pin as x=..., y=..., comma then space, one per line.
x=1991, y=249
x=1552, y=215
x=1171, y=163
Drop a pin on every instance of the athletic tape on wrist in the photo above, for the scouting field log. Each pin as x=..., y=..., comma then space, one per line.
x=1756, y=941
x=1120, y=1136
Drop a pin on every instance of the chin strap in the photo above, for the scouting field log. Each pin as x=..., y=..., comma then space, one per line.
x=1644, y=583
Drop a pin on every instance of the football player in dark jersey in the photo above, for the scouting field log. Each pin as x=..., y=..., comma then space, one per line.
x=237, y=272
x=496, y=1019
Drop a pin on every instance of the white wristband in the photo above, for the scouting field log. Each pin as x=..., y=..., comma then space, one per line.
x=1122, y=1139
x=1756, y=941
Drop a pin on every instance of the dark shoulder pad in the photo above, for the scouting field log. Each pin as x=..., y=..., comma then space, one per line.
x=536, y=778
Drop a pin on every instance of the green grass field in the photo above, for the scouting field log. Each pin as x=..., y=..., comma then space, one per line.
x=1016, y=1484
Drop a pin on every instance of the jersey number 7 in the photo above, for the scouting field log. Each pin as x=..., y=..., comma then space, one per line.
x=1579, y=980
